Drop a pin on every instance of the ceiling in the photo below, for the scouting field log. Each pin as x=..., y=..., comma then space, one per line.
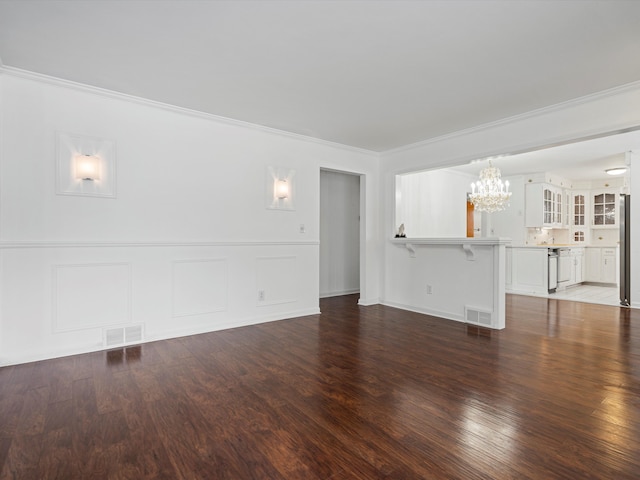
x=580, y=161
x=375, y=75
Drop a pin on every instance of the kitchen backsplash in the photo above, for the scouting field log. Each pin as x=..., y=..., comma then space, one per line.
x=605, y=237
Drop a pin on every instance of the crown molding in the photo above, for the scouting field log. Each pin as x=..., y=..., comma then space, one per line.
x=60, y=82
x=55, y=81
x=517, y=118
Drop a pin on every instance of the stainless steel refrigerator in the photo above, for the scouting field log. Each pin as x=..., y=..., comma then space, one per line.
x=625, y=249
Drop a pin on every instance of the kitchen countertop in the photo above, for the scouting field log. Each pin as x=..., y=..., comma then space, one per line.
x=562, y=245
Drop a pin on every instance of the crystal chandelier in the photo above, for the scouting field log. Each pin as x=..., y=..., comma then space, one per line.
x=489, y=194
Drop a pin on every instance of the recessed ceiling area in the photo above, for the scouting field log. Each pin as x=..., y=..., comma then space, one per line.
x=375, y=75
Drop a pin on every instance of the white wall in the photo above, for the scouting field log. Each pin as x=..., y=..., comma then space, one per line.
x=339, y=233
x=187, y=243
x=447, y=277
x=605, y=112
x=433, y=203
x=509, y=223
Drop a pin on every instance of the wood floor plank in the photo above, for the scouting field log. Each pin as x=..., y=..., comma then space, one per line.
x=356, y=392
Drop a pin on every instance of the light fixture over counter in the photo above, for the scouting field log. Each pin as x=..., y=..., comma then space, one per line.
x=490, y=194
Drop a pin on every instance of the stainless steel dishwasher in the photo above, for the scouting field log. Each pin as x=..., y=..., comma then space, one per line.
x=564, y=267
x=553, y=270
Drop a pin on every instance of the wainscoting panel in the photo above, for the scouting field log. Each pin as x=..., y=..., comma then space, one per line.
x=58, y=299
x=276, y=280
x=199, y=286
x=91, y=296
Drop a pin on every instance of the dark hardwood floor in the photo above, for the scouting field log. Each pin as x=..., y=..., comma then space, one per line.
x=353, y=393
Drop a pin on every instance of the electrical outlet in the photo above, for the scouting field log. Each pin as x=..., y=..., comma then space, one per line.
x=429, y=290
x=261, y=295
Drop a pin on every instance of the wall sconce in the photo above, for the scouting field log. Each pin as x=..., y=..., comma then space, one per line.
x=87, y=167
x=282, y=189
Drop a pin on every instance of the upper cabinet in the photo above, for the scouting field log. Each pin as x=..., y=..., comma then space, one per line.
x=543, y=205
x=579, y=209
x=604, y=205
x=579, y=217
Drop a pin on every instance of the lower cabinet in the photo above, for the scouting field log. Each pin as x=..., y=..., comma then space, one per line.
x=601, y=265
x=609, y=265
x=592, y=264
x=527, y=270
x=577, y=266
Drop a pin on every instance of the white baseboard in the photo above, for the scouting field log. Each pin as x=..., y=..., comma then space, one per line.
x=339, y=293
x=35, y=356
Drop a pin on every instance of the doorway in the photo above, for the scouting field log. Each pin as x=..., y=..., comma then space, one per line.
x=339, y=233
x=582, y=169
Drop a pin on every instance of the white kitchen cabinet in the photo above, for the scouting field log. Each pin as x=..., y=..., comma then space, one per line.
x=577, y=266
x=592, y=264
x=601, y=264
x=508, y=256
x=608, y=265
x=579, y=218
x=603, y=209
x=529, y=270
x=543, y=205
x=558, y=208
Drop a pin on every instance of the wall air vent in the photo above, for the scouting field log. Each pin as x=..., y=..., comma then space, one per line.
x=113, y=336
x=476, y=316
x=120, y=336
x=133, y=334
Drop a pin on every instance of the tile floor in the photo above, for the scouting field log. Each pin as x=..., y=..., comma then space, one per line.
x=589, y=294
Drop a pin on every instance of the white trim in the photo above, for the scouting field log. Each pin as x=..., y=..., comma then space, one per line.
x=367, y=302
x=492, y=241
x=265, y=303
x=59, y=82
x=25, y=74
x=522, y=116
x=426, y=311
x=339, y=293
x=166, y=335
x=55, y=328
x=224, y=308
x=126, y=244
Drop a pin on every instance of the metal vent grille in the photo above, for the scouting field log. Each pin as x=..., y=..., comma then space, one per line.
x=133, y=334
x=123, y=335
x=114, y=336
x=477, y=317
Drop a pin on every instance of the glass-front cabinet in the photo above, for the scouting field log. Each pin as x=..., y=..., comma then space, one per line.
x=604, y=209
x=549, y=206
x=557, y=213
x=579, y=216
x=543, y=205
x=579, y=212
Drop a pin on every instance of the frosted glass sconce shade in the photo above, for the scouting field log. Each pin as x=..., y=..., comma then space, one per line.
x=87, y=167
x=282, y=189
